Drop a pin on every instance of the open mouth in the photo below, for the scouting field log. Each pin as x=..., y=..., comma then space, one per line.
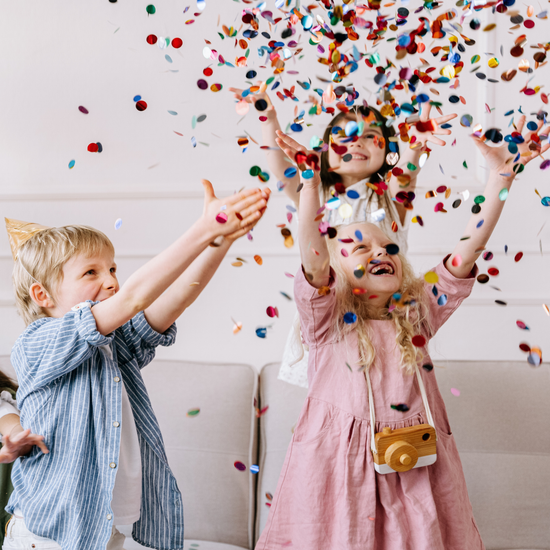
x=358, y=156
x=383, y=268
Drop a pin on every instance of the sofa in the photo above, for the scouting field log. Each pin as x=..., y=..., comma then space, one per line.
x=500, y=422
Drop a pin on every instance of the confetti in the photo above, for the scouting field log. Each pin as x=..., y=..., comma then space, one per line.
x=419, y=341
x=350, y=318
x=118, y=224
x=193, y=412
x=239, y=465
x=272, y=311
x=455, y=392
x=71, y=164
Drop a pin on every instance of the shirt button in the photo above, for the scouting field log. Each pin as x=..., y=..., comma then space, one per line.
x=112, y=465
x=109, y=516
x=116, y=424
x=117, y=378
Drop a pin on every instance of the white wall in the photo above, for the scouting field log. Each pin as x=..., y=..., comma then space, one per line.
x=56, y=56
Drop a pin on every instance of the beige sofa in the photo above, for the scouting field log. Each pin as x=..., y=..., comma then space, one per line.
x=500, y=422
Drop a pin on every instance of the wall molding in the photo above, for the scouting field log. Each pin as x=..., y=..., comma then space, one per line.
x=271, y=252
x=177, y=194
x=469, y=302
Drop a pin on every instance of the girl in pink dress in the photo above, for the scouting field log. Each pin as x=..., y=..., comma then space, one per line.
x=367, y=320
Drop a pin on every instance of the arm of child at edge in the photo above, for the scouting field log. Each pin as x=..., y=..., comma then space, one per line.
x=16, y=441
x=144, y=286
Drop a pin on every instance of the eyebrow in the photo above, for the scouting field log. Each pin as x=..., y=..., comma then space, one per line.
x=93, y=263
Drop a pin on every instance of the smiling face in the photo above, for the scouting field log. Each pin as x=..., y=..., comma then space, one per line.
x=368, y=152
x=85, y=278
x=364, y=253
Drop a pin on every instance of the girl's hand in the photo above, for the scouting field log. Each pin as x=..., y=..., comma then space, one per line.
x=254, y=97
x=426, y=129
x=243, y=231
x=302, y=157
x=234, y=213
x=499, y=158
x=20, y=444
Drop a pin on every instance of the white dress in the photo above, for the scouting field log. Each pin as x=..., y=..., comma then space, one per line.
x=295, y=356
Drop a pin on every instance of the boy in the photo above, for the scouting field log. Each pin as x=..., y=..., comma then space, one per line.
x=107, y=462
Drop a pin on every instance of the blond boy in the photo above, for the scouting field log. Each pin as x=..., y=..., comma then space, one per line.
x=78, y=364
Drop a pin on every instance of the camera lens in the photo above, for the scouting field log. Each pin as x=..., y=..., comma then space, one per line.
x=425, y=437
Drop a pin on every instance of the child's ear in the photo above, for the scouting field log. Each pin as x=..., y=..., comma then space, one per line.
x=39, y=295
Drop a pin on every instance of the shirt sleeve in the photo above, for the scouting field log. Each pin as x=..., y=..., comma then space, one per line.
x=137, y=340
x=316, y=309
x=52, y=347
x=447, y=294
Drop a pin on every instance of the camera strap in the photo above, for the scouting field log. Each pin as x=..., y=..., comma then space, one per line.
x=429, y=417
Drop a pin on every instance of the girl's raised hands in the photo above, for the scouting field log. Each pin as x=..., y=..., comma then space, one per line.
x=426, y=129
x=499, y=159
x=254, y=97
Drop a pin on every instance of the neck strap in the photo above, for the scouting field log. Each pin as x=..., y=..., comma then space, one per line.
x=429, y=416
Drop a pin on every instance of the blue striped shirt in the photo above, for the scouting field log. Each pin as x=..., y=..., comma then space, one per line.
x=70, y=390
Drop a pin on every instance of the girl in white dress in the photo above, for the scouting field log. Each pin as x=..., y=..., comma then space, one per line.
x=364, y=178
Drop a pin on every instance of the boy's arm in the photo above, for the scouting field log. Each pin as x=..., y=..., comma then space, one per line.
x=424, y=131
x=276, y=159
x=500, y=162
x=313, y=246
x=151, y=280
x=166, y=310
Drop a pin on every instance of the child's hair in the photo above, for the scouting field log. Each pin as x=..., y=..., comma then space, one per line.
x=7, y=382
x=409, y=320
x=330, y=178
x=41, y=259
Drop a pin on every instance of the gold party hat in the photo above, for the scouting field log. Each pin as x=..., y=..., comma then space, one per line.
x=20, y=232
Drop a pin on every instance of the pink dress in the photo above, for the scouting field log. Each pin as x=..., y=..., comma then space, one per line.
x=329, y=496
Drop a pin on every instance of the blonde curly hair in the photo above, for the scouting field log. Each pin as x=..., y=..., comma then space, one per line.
x=409, y=320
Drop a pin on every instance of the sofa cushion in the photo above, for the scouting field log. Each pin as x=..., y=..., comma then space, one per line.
x=131, y=544
x=276, y=425
x=500, y=423
x=501, y=428
x=218, y=499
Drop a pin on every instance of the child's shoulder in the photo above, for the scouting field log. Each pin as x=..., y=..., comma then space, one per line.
x=42, y=326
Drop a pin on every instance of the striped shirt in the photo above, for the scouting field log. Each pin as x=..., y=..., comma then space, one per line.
x=70, y=391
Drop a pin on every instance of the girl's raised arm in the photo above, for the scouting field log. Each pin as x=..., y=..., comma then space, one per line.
x=424, y=131
x=276, y=159
x=481, y=225
x=313, y=246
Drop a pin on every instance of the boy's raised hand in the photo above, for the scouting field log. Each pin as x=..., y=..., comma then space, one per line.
x=499, y=159
x=244, y=230
x=233, y=214
x=20, y=444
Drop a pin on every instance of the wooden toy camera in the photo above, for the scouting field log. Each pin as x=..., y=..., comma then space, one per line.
x=403, y=449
